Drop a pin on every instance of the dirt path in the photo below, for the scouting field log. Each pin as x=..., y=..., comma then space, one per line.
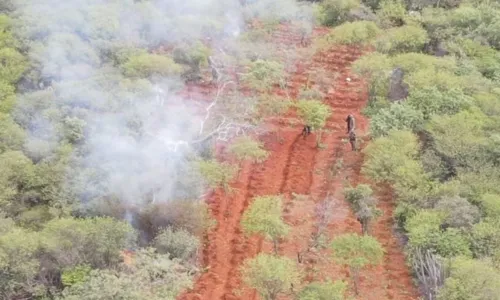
x=297, y=166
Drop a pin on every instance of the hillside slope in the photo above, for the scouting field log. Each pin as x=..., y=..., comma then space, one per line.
x=297, y=166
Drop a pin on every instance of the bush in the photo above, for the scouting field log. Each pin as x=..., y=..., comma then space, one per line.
x=459, y=212
x=151, y=277
x=376, y=68
x=93, y=241
x=271, y=106
x=245, y=147
x=490, y=204
x=387, y=155
x=364, y=205
x=263, y=74
x=75, y=275
x=357, y=252
x=431, y=101
x=485, y=238
x=391, y=13
x=178, y=243
x=195, y=55
x=13, y=65
x=19, y=263
x=147, y=65
x=190, y=215
x=352, y=33
x=424, y=232
x=328, y=290
x=471, y=279
x=264, y=217
x=408, y=38
x=335, y=12
x=217, y=174
x=396, y=117
x=414, y=62
x=459, y=137
x=270, y=275
x=313, y=112
x=12, y=136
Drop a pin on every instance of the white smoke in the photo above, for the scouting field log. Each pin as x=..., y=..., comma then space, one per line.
x=136, y=132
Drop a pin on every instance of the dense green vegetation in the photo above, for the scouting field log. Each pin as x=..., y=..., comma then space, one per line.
x=436, y=140
x=97, y=153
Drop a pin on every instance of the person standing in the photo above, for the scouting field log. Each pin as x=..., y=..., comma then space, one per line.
x=306, y=131
x=352, y=140
x=350, y=123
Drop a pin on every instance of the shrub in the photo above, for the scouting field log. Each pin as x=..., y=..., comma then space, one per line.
x=335, y=12
x=328, y=290
x=263, y=74
x=152, y=277
x=459, y=212
x=408, y=38
x=19, y=263
x=376, y=67
x=424, y=232
x=352, y=33
x=471, y=279
x=485, y=238
x=396, y=117
x=490, y=204
x=413, y=62
x=93, y=241
x=75, y=275
x=13, y=65
x=431, y=101
x=178, y=243
x=270, y=275
x=190, y=215
x=272, y=106
x=357, y=252
x=147, y=65
x=459, y=137
x=217, y=174
x=245, y=147
x=391, y=13
x=264, y=217
x=314, y=113
x=12, y=135
x=364, y=204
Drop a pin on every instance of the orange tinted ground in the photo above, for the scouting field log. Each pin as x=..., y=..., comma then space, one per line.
x=297, y=166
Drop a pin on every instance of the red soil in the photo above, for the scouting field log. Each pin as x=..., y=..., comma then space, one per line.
x=297, y=166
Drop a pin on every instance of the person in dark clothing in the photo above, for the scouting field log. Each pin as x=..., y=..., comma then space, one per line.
x=352, y=140
x=306, y=131
x=350, y=123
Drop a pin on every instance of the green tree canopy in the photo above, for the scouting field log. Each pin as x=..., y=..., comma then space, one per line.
x=264, y=216
x=151, y=277
x=245, y=147
x=93, y=241
x=328, y=290
x=357, y=252
x=178, y=243
x=471, y=279
x=217, y=174
x=270, y=275
x=146, y=65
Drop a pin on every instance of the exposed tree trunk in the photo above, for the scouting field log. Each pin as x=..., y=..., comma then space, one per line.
x=318, y=137
x=355, y=279
x=275, y=246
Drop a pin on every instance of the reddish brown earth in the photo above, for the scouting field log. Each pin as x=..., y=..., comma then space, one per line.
x=297, y=166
